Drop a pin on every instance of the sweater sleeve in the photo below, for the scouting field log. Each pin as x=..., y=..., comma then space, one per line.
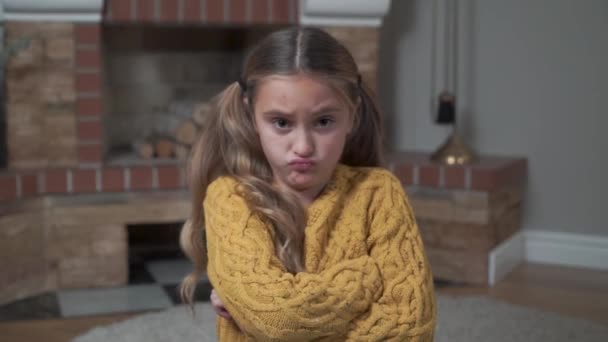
x=266, y=301
x=406, y=310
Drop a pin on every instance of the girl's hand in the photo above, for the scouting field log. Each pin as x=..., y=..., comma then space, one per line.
x=218, y=306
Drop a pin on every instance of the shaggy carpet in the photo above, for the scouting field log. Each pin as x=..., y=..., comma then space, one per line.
x=459, y=319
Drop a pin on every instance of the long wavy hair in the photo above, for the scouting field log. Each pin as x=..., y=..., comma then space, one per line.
x=229, y=144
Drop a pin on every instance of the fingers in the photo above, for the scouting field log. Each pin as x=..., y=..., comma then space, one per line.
x=220, y=310
x=215, y=299
x=218, y=306
x=225, y=314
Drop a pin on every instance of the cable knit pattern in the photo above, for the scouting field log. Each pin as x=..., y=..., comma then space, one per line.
x=367, y=277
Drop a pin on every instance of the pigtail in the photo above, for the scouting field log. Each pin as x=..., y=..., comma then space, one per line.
x=364, y=146
x=206, y=163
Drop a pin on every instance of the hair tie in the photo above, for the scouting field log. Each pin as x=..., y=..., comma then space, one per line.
x=243, y=85
x=359, y=80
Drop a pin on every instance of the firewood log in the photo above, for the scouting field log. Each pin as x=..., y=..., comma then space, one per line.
x=186, y=132
x=200, y=113
x=144, y=149
x=164, y=147
x=182, y=152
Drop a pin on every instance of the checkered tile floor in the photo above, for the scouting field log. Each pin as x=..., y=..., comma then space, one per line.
x=153, y=284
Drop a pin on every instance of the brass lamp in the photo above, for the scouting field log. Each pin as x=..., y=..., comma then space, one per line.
x=454, y=150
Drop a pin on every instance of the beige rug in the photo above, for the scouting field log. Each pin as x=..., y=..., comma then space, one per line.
x=459, y=319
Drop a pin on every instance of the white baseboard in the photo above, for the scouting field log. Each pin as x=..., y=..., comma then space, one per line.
x=505, y=257
x=566, y=249
x=544, y=247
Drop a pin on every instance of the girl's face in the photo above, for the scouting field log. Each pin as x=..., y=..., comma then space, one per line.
x=302, y=124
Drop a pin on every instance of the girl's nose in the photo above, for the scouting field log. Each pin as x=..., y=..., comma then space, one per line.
x=304, y=145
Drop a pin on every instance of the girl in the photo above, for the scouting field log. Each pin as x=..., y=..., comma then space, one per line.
x=302, y=234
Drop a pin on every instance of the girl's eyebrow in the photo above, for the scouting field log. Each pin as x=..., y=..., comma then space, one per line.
x=325, y=109
x=276, y=112
x=330, y=108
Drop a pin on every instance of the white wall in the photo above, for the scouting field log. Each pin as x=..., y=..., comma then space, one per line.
x=535, y=84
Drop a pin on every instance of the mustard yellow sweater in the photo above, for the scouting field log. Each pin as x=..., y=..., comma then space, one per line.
x=367, y=276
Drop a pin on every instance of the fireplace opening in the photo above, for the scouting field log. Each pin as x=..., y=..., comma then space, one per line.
x=158, y=82
x=154, y=241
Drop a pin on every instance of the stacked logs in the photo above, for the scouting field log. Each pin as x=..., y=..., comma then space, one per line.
x=176, y=133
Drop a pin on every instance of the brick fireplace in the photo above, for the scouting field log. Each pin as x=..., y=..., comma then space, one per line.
x=66, y=198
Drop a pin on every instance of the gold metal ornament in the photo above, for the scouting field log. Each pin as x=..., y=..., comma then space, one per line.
x=454, y=151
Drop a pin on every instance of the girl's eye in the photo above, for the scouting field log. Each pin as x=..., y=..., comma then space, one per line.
x=280, y=123
x=325, y=122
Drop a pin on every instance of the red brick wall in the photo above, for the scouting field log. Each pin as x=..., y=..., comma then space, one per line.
x=489, y=174
x=88, y=82
x=233, y=12
x=107, y=179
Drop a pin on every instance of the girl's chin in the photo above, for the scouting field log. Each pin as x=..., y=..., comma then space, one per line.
x=300, y=181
